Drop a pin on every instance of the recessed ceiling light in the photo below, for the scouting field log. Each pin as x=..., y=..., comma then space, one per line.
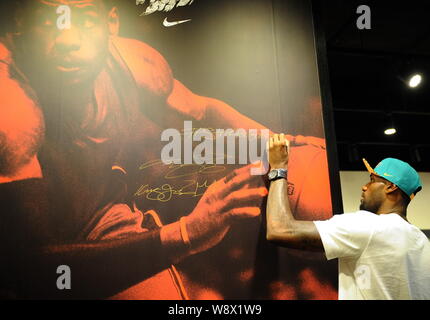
x=415, y=80
x=390, y=131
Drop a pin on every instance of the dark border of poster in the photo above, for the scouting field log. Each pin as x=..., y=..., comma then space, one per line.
x=327, y=106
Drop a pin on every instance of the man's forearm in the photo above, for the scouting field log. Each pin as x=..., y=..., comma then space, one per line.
x=282, y=228
x=280, y=219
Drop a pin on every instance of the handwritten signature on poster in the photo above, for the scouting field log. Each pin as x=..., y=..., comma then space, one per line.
x=182, y=174
x=164, y=193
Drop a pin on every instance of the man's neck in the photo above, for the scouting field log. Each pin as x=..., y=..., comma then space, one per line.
x=397, y=209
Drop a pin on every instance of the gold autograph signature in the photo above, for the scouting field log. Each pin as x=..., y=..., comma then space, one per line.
x=165, y=192
x=174, y=173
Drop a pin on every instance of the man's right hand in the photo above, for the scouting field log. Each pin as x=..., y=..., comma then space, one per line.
x=21, y=129
x=278, y=151
x=237, y=196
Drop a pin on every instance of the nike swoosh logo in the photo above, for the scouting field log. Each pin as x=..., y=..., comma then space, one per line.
x=168, y=24
x=387, y=175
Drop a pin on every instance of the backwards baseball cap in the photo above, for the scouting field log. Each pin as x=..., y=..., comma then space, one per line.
x=398, y=172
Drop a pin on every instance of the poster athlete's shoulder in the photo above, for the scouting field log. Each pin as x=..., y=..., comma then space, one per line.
x=148, y=67
x=307, y=157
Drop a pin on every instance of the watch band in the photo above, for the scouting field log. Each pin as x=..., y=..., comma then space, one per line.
x=276, y=174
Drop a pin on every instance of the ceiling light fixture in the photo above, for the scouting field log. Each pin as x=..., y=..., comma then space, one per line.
x=390, y=131
x=415, y=80
x=390, y=127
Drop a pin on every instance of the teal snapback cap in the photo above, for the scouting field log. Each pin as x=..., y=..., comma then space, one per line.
x=398, y=172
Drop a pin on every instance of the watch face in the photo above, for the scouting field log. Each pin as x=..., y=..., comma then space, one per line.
x=273, y=174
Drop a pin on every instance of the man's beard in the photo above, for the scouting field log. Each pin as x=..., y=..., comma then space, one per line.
x=368, y=207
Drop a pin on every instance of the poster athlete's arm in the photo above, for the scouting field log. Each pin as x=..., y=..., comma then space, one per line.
x=282, y=228
x=154, y=77
x=209, y=111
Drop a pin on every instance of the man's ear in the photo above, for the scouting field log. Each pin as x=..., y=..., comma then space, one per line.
x=390, y=187
x=113, y=22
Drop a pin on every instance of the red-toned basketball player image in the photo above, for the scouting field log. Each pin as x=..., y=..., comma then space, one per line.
x=82, y=110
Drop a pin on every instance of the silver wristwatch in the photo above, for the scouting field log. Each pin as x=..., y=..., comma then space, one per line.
x=277, y=174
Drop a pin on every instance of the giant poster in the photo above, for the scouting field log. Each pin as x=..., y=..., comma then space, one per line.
x=132, y=149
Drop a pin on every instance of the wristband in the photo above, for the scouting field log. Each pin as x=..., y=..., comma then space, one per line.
x=276, y=174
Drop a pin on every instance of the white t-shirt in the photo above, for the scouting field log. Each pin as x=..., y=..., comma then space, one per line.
x=380, y=256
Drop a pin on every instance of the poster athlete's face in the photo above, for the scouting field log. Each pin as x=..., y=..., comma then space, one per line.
x=70, y=45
